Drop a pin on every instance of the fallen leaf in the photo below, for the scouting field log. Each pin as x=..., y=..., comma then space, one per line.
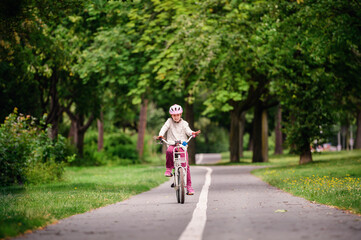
x=281, y=210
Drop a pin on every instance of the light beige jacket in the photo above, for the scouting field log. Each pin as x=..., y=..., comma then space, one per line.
x=176, y=131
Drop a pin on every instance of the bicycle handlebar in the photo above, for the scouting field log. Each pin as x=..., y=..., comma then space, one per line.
x=178, y=142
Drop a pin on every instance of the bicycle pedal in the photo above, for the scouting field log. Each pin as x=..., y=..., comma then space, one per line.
x=172, y=186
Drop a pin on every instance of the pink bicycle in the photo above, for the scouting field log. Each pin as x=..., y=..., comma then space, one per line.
x=180, y=159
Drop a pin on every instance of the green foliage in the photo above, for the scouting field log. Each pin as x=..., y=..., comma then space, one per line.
x=307, y=65
x=229, y=53
x=117, y=145
x=39, y=172
x=243, y=56
x=30, y=54
x=119, y=149
x=214, y=139
x=27, y=154
x=14, y=149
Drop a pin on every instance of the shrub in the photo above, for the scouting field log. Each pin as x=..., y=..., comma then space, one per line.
x=39, y=172
x=118, y=149
x=118, y=145
x=27, y=154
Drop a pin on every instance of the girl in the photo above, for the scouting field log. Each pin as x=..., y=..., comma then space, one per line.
x=176, y=129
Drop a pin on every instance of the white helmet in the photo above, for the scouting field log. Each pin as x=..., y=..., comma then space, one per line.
x=175, y=109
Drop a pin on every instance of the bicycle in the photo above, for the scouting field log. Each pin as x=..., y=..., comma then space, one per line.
x=179, y=171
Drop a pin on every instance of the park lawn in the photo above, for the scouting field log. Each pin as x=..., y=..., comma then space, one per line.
x=24, y=208
x=332, y=179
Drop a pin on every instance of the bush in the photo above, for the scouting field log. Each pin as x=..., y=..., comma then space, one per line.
x=120, y=145
x=27, y=154
x=39, y=172
x=118, y=149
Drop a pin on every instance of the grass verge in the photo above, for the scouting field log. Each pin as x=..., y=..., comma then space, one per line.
x=24, y=208
x=332, y=179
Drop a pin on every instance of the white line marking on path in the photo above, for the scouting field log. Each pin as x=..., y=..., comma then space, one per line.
x=194, y=230
x=200, y=159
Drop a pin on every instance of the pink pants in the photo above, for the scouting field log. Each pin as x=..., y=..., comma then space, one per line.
x=170, y=163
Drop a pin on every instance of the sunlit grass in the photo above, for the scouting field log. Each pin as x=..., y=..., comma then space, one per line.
x=332, y=179
x=84, y=188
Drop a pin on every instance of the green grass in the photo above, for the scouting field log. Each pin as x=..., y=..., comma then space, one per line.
x=332, y=179
x=23, y=208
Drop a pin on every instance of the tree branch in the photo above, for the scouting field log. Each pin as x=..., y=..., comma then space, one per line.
x=70, y=114
x=87, y=125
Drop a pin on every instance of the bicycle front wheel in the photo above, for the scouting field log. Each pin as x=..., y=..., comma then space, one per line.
x=176, y=185
x=181, y=186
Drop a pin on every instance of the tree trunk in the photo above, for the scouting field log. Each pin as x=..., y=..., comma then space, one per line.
x=292, y=147
x=73, y=132
x=278, y=132
x=264, y=136
x=257, y=155
x=347, y=137
x=78, y=129
x=141, y=127
x=250, y=139
x=343, y=137
x=234, y=137
x=189, y=116
x=242, y=123
x=80, y=142
x=80, y=133
x=306, y=156
x=100, y=132
x=55, y=108
x=54, y=131
x=358, y=130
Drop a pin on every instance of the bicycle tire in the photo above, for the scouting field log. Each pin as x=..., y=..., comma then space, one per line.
x=181, y=186
x=176, y=185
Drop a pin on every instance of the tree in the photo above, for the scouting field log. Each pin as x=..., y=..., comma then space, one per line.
x=212, y=50
x=242, y=69
x=306, y=59
x=358, y=133
x=103, y=61
x=157, y=23
x=31, y=58
x=278, y=131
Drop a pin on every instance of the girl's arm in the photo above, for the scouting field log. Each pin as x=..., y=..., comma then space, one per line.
x=164, y=129
x=189, y=131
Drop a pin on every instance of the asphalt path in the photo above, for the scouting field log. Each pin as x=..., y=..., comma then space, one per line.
x=208, y=158
x=229, y=203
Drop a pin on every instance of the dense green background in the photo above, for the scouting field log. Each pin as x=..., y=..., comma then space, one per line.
x=226, y=62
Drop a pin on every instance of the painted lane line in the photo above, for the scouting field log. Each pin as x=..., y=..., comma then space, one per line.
x=194, y=230
x=200, y=159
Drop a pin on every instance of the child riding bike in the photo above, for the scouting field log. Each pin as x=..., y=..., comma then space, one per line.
x=176, y=129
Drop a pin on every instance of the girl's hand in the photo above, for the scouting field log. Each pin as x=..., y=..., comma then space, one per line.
x=195, y=134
